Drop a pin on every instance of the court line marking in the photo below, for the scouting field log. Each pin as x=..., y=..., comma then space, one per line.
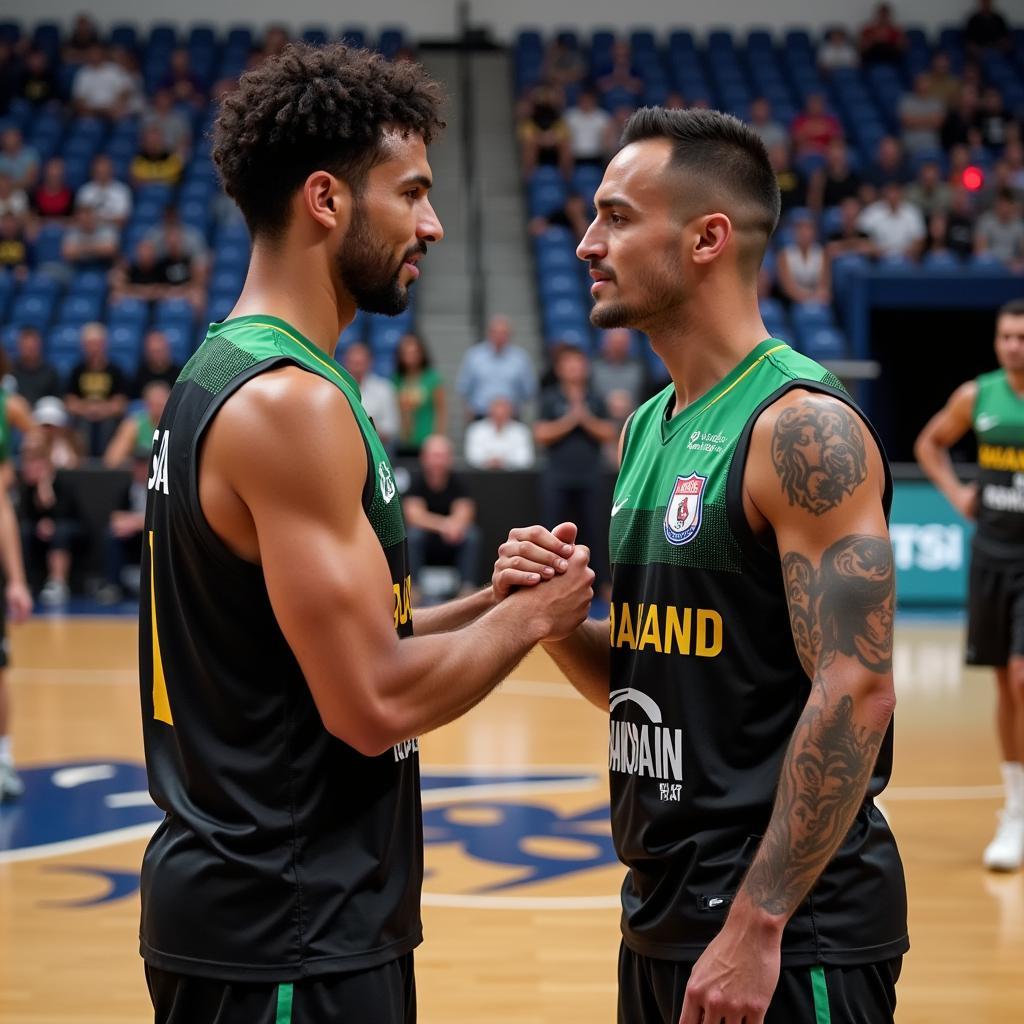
x=70, y=846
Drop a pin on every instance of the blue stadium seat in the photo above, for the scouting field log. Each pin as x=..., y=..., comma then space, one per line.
x=173, y=310
x=557, y=284
x=125, y=338
x=942, y=262
x=31, y=311
x=551, y=259
x=88, y=282
x=9, y=339
x=48, y=243
x=808, y=316
x=823, y=343
x=124, y=35
x=128, y=311
x=81, y=309
x=220, y=305
x=352, y=36
x=570, y=334
x=771, y=309
x=544, y=198
x=391, y=40
x=316, y=35
x=64, y=340
x=181, y=338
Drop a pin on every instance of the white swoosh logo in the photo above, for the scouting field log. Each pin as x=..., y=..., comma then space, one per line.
x=987, y=422
x=617, y=507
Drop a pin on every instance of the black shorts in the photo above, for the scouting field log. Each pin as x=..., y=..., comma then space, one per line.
x=651, y=992
x=381, y=995
x=995, y=613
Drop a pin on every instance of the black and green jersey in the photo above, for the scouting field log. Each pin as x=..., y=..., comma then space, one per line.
x=707, y=688
x=999, y=426
x=284, y=853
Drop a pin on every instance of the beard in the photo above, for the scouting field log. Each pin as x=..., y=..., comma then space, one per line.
x=368, y=271
x=661, y=286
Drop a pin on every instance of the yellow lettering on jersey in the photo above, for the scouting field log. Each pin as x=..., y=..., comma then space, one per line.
x=627, y=638
x=708, y=648
x=161, y=703
x=673, y=631
x=666, y=629
x=994, y=456
x=403, y=601
x=651, y=635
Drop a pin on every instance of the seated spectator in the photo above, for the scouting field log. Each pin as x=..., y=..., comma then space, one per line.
x=564, y=64
x=110, y=198
x=773, y=133
x=929, y=192
x=441, y=517
x=84, y=36
x=617, y=377
x=848, y=237
x=151, y=275
x=588, y=130
x=134, y=435
x=499, y=441
x=574, y=215
x=960, y=223
x=18, y=161
x=882, y=41
x=49, y=520
x=544, y=134
x=621, y=75
x=90, y=244
x=97, y=392
x=14, y=250
x=38, y=83
x=987, y=29
x=102, y=87
x=837, y=51
x=184, y=86
x=815, y=129
x=174, y=127
x=894, y=226
x=35, y=377
x=422, y=404
x=66, y=448
x=1000, y=232
x=889, y=166
x=942, y=83
x=135, y=100
x=792, y=183
x=155, y=162
x=992, y=119
x=803, y=265
x=378, y=393
x=834, y=182
x=961, y=160
x=496, y=367
x=13, y=200
x=52, y=198
x=156, y=366
x=921, y=116
x=960, y=119
x=125, y=534
x=189, y=239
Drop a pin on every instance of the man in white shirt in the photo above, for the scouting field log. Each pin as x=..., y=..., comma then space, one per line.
x=893, y=226
x=378, y=394
x=588, y=130
x=499, y=441
x=111, y=199
x=101, y=87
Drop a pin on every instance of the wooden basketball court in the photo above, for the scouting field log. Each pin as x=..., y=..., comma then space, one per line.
x=521, y=889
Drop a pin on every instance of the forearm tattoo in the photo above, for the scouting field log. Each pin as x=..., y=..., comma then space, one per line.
x=845, y=608
x=819, y=453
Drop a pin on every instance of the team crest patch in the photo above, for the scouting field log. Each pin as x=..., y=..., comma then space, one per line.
x=685, y=509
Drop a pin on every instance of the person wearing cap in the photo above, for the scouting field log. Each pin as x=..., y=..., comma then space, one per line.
x=64, y=446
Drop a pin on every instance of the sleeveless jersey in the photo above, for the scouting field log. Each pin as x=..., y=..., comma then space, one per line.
x=284, y=853
x=707, y=688
x=999, y=426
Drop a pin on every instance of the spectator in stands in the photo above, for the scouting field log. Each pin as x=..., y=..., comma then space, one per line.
x=184, y=86
x=14, y=250
x=18, y=161
x=834, y=182
x=617, y=377
x=544, y=134
x=575, y=215
x=588, y=126
x=49, y=521
x=960, y=118
x=987, y=29
x=441, y=516
x=13, y=200
x=773, y=133
x=84, y=36
x=621, y=76
x=151, y=275
x=97, y=392
x=134, y=435
x=52, y=198
x=960, y=222
x=34, y=376
x=174, y=127
x=847, y=236
x=155, y=163
x=1000, y=232
x=188, y=238
x=942, y=83
x=992, y=119
x=921, y=116
x=837, y=51
x=882, y=41
x=124, y=535
x=90, y=244
x=66, y=448
x=894, y=226
x=792, y=183
x=38, y=83
x=378, y=393
x=422, y=403
x=110, y=198
x=102, y=87
x=564, y=64
x=499, y=441
x=929, y=192
x=889, y=166
x=156, y=366
x=275, y=39
x=135, y=101
x=803, y=265
x=815, y=129
x=496, y=367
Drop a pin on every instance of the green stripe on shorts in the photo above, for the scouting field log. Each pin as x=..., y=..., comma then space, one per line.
x=284, y=1004
x=819, y=990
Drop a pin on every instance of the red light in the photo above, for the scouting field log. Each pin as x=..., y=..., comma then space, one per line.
x=973, y=178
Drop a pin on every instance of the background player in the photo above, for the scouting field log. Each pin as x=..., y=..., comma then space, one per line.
x=992, y=406
x=751, y=626
x=280, y=709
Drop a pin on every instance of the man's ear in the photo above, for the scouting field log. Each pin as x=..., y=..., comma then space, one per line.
x=713, y=234
x=327, y=200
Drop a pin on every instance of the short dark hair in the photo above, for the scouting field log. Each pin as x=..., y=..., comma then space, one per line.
x=718, y=149
x=1015, y=307
x=315, y=108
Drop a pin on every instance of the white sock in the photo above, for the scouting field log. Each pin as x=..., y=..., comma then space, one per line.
x=6, y=756
x=1013, y=784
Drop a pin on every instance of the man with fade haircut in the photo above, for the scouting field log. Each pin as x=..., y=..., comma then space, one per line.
x=747, y=661
x=282, y=689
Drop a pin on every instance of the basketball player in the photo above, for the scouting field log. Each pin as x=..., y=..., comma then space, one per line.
x=17, y=603
x=747, y=661
x=992, y=406
x=282, y=692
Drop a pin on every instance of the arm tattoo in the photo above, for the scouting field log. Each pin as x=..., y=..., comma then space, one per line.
x=819, y=453
x=844, y=609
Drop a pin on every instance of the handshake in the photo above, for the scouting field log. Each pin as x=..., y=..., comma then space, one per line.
x=549, y=574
